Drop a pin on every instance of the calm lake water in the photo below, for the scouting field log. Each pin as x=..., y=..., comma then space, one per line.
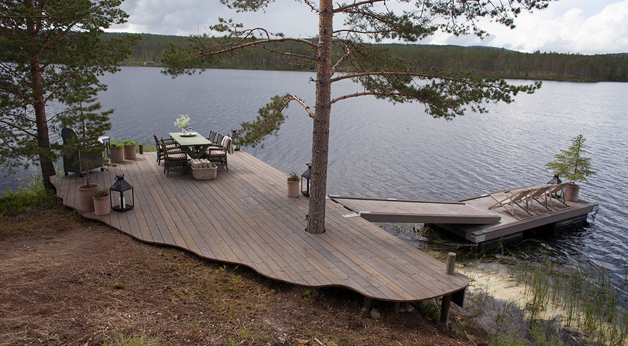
x=378, y=149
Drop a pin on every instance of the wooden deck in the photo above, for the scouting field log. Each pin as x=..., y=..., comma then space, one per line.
x=468, y=218
x=245, y=217
x=513, y=227
x=412, y=211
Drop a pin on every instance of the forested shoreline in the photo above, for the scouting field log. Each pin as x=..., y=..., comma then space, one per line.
x=483, y=61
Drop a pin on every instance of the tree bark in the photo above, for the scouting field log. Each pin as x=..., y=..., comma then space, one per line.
x=320, y=132
x=43, y=140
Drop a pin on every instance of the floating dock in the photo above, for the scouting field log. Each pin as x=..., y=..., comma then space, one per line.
x=245, y=217
x=469, y=217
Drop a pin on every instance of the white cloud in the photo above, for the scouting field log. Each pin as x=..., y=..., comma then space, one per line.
x=575, y=26
x=574, y=31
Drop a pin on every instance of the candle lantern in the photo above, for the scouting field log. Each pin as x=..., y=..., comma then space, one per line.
x=121, y=195
x=235, y=140
x=305, y=180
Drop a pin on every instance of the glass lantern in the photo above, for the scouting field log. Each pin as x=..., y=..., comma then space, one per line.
x=305, y=180
x=235, y=140
x=121, y=197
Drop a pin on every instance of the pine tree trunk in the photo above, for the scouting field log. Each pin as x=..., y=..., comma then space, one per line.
x=320, y=133
x=39, y=105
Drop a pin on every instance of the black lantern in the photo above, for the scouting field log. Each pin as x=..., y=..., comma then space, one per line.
x=305, y=180
x=121, y=195
x=235, y=140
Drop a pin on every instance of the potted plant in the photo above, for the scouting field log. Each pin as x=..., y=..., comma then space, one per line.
x=129, y=149
x=183, y=122
x=101, y=202
x=116, y=152
x=574, y=166
x=293, y=184
x=90, y=125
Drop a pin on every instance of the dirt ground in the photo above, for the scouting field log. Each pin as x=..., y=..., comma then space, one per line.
x=65, y=280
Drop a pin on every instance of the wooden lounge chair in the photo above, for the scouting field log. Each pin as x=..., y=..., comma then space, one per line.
x=558, y=193
x=218, y=154
x=539, y=195
x=513, y=198
x=174, y=158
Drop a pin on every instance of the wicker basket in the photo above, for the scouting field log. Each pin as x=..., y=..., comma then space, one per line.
x=204, y=173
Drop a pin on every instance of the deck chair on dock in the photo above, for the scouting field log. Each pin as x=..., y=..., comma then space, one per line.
x=539, y=195
x=558, y=193
x=514, y=198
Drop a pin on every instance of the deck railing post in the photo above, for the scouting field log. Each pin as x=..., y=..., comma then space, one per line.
x=444, y=311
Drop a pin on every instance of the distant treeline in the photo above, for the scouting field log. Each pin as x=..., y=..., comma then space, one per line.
x=484, y=61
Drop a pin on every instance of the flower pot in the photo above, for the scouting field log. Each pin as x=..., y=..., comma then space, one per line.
x=571, y=192
x=116, y=155
x=85, y=197
x=129, y=152
x=293, y=189
x=101, y=205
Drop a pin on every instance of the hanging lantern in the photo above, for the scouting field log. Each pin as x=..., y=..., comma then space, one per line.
x=235, y=140
x=305, y=180
x=121, y=195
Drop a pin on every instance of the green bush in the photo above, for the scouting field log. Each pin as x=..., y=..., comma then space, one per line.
x=33, y=197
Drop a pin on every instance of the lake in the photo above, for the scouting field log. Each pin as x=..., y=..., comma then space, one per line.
x=378, y=149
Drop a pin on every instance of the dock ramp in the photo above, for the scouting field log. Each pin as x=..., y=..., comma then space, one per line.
x=414, y=211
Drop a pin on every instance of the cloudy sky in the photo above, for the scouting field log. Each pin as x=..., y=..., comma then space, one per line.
x=566, y=26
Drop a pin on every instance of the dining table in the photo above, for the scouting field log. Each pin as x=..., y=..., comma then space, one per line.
x=193, y=143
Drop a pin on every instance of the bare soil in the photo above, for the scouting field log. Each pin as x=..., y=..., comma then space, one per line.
x=65, y=280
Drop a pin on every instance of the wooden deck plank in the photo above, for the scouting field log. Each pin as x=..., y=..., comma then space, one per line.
x=244, y=216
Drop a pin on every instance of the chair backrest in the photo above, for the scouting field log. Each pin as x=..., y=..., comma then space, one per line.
x=212, y=135
x=219, y=138
x=558, y=187
x=157, y=141
x=521, y=195
x=226, y=143
x=540, y=191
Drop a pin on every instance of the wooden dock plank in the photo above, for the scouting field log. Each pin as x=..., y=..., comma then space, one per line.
x=244, y=216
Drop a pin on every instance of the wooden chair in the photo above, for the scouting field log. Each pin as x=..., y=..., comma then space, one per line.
x=218, y=154
x=160, y=149
x=212, y=136
x=174, y=158
x=558, y=193
x=218, y=141
x=514, y=198
x=539, y=195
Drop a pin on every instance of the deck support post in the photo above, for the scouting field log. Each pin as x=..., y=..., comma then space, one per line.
x=397, y=306
x=367, y=303
x=444, y=310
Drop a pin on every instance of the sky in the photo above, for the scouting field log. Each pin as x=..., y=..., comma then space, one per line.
x=566, y=26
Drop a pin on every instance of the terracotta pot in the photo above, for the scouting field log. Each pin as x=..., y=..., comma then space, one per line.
x=101, y=206
x=571, y=192
x=293, y=189
x=85, y=197
x=116, y=155
x=129, y=152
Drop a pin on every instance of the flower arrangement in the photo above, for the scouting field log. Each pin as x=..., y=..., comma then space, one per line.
x=183, y=121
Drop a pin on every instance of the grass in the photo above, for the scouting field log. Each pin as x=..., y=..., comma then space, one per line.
x=27, y=199
x=123, y=340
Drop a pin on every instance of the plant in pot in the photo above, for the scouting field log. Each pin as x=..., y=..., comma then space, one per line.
x=129, y=149
x=116, y=152
x=183, y=121
x=293, y=184
x=101, y=202
x=572, y=165
x=89, y=125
